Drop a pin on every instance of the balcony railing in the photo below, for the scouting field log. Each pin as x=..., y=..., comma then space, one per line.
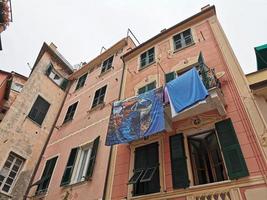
x=208, y=77
x=212, y=195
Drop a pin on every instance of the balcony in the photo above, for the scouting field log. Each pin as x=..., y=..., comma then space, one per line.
x=215, y=100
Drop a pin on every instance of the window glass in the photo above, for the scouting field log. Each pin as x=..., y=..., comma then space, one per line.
x=10, y=171
x=81, y=81
x=182, y=39
x=147, y=87
x=70, y=112
x=99, y=96
x=147, y=57
x=107, y=64
x=16, y=86
x=206, y=158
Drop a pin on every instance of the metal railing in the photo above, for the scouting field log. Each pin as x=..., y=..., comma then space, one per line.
x=208, y=77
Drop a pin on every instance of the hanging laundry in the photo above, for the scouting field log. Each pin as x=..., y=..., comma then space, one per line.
x=185, y=91
x=136, y=117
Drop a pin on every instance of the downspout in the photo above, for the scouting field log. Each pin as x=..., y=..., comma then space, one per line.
x=45, y=145
x=111, y=148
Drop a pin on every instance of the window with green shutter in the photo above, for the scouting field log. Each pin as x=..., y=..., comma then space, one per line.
x=147, y=87
x=178, y=162
x=43, y=183
x=147, y=58
x=170, y=76
x=233, y=156
x=69, y=168
x=83, y=159
x=145, y=178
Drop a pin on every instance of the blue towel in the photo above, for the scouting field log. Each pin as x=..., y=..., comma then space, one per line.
x=186, y=90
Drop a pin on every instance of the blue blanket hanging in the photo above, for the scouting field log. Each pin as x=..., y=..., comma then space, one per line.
x=186, y=90
x=136, y=117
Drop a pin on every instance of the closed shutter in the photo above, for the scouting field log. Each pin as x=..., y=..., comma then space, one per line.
x=233, y=156
x=64, y=84
x=69, y=168
x=92, y=159
x=178, y=162
x=170, y=76
x=47, y=174
x=49, y=69
x=39, y=110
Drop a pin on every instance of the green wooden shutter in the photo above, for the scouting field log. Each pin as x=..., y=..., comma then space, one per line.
x=178, y=162
x=69, y=168
x=232, y=153
x=64, y=84
x=92, y=159
x=8, y=87
x=49, y=69
x=47, y=174
x=170, y=76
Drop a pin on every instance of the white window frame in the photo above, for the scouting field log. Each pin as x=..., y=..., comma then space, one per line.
x=17, y=87
x=76, y=178
x=9, y=170
x=53, y=75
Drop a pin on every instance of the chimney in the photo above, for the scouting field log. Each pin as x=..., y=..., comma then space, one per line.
x=205, y=7
x=53, y=46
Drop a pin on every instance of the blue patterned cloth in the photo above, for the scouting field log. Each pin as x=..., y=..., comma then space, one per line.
x=136, y=117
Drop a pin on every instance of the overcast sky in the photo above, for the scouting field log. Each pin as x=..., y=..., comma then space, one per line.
x=80, y=28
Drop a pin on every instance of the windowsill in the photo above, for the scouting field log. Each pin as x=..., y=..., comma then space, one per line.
x=98, y=107
x=149, y=196
x=105, y=72
x=41, y=194
x=146, y=66
x=208, y=184
x=6, y=194
x=75, y=184
x=40, y=126
x=66, y=123
x=177, y=50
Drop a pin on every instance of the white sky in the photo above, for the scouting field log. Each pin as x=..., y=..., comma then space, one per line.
x=80, y=28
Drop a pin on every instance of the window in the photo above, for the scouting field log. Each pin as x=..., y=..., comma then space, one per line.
x=39, y=110
x=147, y=87
x=10, y=171
x=107, y=64
x=81, y=81
x=99, y=96
x=182, y=39
x=70, y=112
x=210, y=153
x=80, y=164
x=170, y=76
x=145, y=178
x=16, y=87
x=147, y=57
x=56, y=78
x=206, y=158
x=43, y=183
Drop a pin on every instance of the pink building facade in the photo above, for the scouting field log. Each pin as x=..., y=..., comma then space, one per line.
x=185, y=166
x=76, y=158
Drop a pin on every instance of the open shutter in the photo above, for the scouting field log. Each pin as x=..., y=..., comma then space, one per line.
x=92, y=159
x=178, y=162
x=170, y=76
x=233, y=156
x=8, y=87
x=64, y=84
x=49, y=69
x=69, y=168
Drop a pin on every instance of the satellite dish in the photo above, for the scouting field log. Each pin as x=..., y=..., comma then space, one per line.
x=220, y=74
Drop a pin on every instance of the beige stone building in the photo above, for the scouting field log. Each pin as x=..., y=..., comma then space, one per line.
x=28, y=123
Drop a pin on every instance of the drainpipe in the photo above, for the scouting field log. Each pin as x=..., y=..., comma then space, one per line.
x=111, y=148
x=45, y=145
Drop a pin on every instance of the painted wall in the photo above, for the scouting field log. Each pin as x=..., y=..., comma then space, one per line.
x=205, y=34
x=23, y=136
x=87, y=124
